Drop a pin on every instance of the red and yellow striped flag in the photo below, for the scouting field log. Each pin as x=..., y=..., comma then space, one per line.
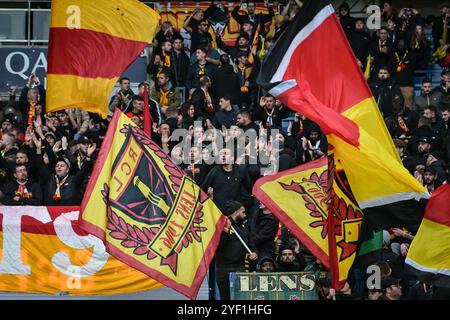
x=91, y=44
x=429, y=254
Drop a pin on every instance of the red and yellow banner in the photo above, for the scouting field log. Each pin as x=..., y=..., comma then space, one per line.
x=44, y=251
x=429, y=254
x=312, y=202
x=178, y=12
x=148, y=212
x=91, y=44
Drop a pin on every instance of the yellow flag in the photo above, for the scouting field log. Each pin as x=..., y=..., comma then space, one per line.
x=150, y=215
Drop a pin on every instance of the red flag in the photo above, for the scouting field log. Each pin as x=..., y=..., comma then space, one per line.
x=148, y=120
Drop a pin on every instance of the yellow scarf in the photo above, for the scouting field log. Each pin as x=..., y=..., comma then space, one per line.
x=167, y=61
x=164, y=100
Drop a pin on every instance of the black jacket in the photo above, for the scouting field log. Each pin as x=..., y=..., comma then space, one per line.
x=32, y=187
x=231, y=253
x=265, y=231
x=224, y=118
x=195, y=72
x=227, y=185
x=25, y=105
x=260, y=114
x=70, y=191
x=383, y=92
x=360, y=42
x=182, y=63
x=226, y=82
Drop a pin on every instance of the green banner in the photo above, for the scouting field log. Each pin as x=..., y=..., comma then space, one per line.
x=273, y=286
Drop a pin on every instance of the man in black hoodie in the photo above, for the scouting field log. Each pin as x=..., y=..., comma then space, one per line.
x=226, y=81
x=347, y=21
x=231, y=253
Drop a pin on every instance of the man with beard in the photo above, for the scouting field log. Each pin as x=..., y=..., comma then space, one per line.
x=384, y=90
x=427, y=97
x=270, y=113
x=287, y=261
x=242, y=46
x=165, y=93
x=313, y=146
x=231, y=253
x=201, y=37
x=203, y=100
x=22, y=191
x=244, y=121
x=392, y=289
x=416, y=163
x=181, y=62
x=430, y=180
x=436, y=125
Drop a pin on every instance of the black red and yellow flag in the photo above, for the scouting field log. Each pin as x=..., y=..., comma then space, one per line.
x=314, y=203
x=313, y=70
x=429, y=254
x=149, y=214
x=91, y=44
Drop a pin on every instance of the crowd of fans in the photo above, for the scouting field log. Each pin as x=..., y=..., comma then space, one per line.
x=199, y=83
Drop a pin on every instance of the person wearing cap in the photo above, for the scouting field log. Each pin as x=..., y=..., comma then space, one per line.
x=231, y=253
x=79, y=157
x=420, y=157
x=346, y=20
x=259, y=19
x=60, y=188
x=22, y=191
x=392, y=289
x=266, y=263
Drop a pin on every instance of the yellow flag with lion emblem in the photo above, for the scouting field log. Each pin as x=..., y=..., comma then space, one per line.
x=149, y=214
x=315, y=203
